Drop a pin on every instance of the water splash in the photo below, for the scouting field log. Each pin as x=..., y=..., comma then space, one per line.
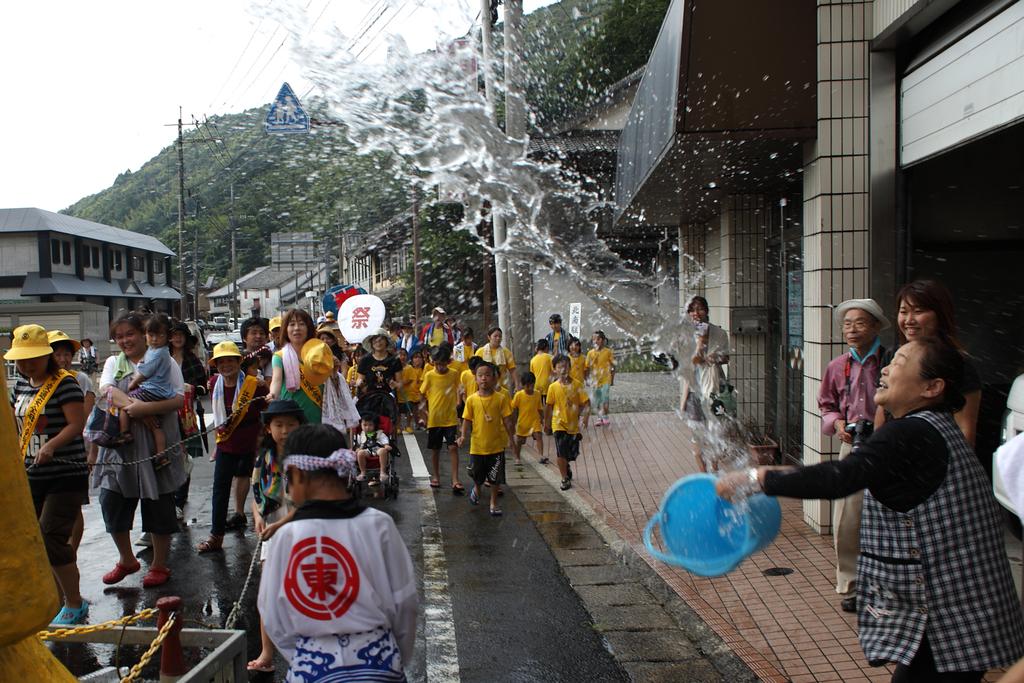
x=425, y=111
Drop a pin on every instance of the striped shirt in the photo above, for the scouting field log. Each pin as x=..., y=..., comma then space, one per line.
x=68, y=460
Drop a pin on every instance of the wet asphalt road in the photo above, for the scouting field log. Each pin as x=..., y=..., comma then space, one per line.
x=515, y=616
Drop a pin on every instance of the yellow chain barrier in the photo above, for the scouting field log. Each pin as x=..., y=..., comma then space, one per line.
x=59, y=633
x=148, y=654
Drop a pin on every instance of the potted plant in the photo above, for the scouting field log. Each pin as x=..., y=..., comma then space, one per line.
x=763, y=448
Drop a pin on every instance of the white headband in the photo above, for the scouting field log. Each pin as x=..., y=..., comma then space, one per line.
x=342, y=461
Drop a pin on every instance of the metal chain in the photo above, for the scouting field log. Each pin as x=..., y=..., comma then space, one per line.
x=153, y=647
x=172, y=447
x=59, y=633
x=237, y=609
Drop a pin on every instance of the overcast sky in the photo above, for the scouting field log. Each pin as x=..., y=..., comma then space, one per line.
x=90, y=86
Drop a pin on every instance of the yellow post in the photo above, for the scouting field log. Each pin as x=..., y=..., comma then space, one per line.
x=25, y=576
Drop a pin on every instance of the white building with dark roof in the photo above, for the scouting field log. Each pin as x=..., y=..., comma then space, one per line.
x=47, y=257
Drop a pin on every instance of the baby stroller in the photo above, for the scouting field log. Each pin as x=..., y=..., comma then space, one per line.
x=386, y=407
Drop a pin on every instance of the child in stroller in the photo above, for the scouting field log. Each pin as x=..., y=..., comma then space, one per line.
x=372, y=448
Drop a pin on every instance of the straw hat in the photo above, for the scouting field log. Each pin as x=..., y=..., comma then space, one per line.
x=225, y=349
x=55, y=336
x=331, y=329
x=29, y=341
x=275, y=323
x=317, y=361
x=368, y=341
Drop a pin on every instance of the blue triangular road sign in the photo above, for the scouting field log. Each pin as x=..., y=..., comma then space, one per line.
x=286, y=115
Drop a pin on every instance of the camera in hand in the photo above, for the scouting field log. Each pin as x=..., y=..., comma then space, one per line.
x=861, y=431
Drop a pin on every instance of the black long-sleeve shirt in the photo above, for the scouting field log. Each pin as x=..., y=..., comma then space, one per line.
x=902, y=464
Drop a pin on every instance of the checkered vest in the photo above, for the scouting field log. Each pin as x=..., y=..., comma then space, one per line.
x=940, y=568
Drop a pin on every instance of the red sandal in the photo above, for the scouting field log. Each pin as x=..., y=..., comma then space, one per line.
x=156, y=576
x=117, y=574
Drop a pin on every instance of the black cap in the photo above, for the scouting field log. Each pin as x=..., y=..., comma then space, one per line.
x=284, y=406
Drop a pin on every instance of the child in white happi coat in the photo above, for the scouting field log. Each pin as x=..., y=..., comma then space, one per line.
x=338, y=592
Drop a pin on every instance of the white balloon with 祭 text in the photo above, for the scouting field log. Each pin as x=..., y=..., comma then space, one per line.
x=360, y=316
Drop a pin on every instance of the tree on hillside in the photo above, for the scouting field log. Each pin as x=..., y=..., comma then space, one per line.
x=451, y=264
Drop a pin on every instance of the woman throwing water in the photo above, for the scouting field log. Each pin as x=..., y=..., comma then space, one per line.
x=934, y=590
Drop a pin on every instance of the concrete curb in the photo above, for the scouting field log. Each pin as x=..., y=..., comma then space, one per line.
x=709, y=643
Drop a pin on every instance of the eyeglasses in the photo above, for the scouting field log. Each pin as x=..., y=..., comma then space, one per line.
x=856, y=324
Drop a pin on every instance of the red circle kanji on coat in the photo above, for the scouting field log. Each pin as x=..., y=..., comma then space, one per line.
x=322, y=579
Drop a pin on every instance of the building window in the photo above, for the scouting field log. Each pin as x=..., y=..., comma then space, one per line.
x=158, y=266
x=85, y=257
x=55, y=251
x=138, y=263
x=115, y=257
x=95, y=257
x=66, y=252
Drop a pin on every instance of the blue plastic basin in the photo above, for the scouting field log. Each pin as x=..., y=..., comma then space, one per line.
x=707, y=535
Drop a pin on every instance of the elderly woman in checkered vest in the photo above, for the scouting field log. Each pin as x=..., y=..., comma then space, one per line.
x=934, y=591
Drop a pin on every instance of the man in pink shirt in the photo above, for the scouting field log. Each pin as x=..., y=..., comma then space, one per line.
x=847, y=403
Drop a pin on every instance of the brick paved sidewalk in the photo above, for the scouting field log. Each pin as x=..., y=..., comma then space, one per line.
x=785, y=628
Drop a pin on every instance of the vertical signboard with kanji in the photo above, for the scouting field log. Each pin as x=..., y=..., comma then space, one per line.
x=575, y=319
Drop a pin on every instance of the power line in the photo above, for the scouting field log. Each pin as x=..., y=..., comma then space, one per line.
x=237, y=62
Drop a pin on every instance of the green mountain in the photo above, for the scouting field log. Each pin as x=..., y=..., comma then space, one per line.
x=573, y=50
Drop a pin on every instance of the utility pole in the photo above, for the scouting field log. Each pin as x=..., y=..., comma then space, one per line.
x=416, y=281
x=181, y=220
x=520, y=280
x=497, y=221
x=236, y=303
x=195, y=264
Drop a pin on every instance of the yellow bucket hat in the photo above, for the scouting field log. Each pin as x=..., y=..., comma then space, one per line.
x=225, y=349
x=331, y=329
x=29, y=341
x=275, y=323
x=59, y=336
x=317, y=361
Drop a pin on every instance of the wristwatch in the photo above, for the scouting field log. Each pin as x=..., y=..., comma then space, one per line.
x=752, y=476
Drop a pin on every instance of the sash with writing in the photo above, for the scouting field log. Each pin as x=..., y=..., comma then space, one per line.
x=37, y=406
x=245, y=393
x=315, y=393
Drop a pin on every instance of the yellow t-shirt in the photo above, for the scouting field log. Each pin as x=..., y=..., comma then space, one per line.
x=487, y=415
x=461, y=354
x=540, y=366
x=578, y=368
x=600, y=361
x=501, y=357
x=566, y=403
x=528, y=405
x=411, y=377
x=468, y=380
x=442, y=395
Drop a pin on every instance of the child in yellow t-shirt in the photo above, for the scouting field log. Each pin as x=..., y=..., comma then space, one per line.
x=601, y=374
x=577, y=361
x=540, y=366
x=489, y=414
x=440, y=389
x=412, y=374
x=567, y=406
x=529, y=418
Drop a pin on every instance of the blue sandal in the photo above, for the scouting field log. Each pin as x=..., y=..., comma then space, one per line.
x=69, y=617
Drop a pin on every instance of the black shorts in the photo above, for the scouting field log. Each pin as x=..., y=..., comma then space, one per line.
x=436, y=436
x=158, y=516
x=487, y=468
x=567, y=445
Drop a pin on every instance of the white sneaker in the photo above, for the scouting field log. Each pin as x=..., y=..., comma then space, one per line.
x=360, y=477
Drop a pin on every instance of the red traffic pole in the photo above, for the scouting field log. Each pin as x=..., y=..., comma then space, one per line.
x=172, y=659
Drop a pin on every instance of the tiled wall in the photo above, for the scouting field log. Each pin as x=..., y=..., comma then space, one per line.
x=835, y=211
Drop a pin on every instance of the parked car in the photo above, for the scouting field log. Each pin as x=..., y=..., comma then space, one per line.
x=214, y=338
x=1013, y=424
